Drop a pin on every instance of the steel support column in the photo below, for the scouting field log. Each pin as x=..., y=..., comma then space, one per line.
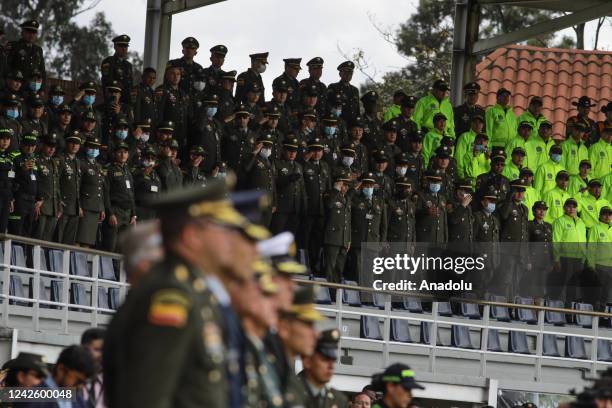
x=465, y=33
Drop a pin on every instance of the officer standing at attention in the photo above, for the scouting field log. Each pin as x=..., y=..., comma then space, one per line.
x=436, y=101
x=260, y=174
x=470, y=108
x=396, y=384
x=7, y=177
x=212, y=74
x=147, y=184
x=337, y=230
x=172, y=102
x=118, y=68
x=169, y=172
x=292, y=69
x=318, y=371
x=431, y=223
x=25, y=187
x=401, y=213
x=315, y=69
x=460, y=217
x=540, y=234
x=143, y=97
x=70, y=185
x=350, y=110
x=119, y=197
x=186, y=63
x=24, y=55
x=91, y=194
x=246, y=79
x=371, y=120
x=47, y=207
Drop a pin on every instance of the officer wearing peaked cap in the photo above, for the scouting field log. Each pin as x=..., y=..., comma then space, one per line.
x=70, y=186
x=33, y=122
x=246, y=79
x=260, y=173
x=227, y=103
x=351, y=106
x=118, y=68
x=25, y=187
x=91, y=193
x=238, y=141
x=396, y=384
x=292, y=69
x=431, y=215
x=372, y=120
x=187, y=64
x=318, y=371
x=401, y=212
x=10, y=123
x=213, y=74
x=406, y=126
x=48, y=197
x=315, y=70
x=583, y=106
x=337, y=226
x=460, y=216
x=24, y=54
x=207, y=131
x=469, y=108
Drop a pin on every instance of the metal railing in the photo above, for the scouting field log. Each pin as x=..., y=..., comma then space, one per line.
x=60, y=308
x=485, y=324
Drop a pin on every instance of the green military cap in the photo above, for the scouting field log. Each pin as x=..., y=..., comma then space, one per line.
x=443, y=152
x=402, y=158
x=88, y=86
x=114, y=85
x=536, y=100
x=546, y=124
x=197, y=150
x=167, y=125
x=122, y=39
x=562, y=174
x=409, y=101
x=464, y=184
x=498, y=154
x=368, y=178
x=380, y=157
x=31, y=25
x=242, y=109
x=190, y=42
x=439, y=116
x=584, y=102
x=329, y=119
x=349, y=149
x=316, y=144
x=491, y=193
x=173, y=143
x=403, y=181
x=432, y=175
x=280, y=85
x=57, y=90
x=311, y=90
x=309, y=113
x=399, y=373
x=342, y=175
x=477, y=116
x=571, y=202
x=74, y=137
x=595, y=183
x=471, y=87
x=149, y=151
x=303, y=307
x=357, y=122
x=327, y=344
x=447, y=141
x=293, y=62
x=253, y=87
x=346, y=66
x=607, y=108
x=605, y=210
x=585, y=163
x=122, y=123
x=199, y=73
x=210, y=99
x=219, y=49
x=390, y=125
x=526, y=171
x=502, y=91
x=518, y=150
x=369, y=97
x=92, y=141
x=272, y=110
x=580, y=126
x=90, y=115
x=518, y=185
x=526, y=123
x=265, y=139
x=50, y=139
x=556, y=149
x=28, y=361
x=539, y=204
x=15, y=75
x=29, y=140
x=12, y=100
x=5, y=133
x=440, y=84
x=315, y=62
x=229, y=75
x=35, y=101
x=291, y=143
x=121, y=146
x=144, y=124
x=261, y=56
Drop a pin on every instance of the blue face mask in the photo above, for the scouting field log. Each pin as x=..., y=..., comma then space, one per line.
x=211, y=111
x=336, y=112
x=556, y=157
x=490, y=208
x=368, y=192
x=35, y=86
x=89, y=99
x=93, y=153
x=435, y=187
x=121, y=134
x=330, y=130
x=479, y=148
x=57, y=100
x=12, y=113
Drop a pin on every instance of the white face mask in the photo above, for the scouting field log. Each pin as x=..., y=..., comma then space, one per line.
x=199, y=85
x=261, y=68
x=348, y=161
x=145, y=137
x=401, y=171
x=265, y=153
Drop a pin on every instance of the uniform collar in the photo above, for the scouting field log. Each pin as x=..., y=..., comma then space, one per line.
x=217, y=288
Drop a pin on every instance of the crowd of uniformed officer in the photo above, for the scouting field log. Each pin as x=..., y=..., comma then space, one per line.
x=338, y=168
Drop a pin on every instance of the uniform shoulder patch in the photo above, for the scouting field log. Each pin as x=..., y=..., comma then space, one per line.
x=169, y=307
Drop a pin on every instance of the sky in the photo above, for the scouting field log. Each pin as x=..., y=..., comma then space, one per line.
x=286, y=29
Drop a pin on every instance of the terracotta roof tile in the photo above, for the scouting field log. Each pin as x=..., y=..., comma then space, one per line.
x=559, y=76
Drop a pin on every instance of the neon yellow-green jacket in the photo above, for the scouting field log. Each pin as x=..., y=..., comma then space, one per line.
x=465, y=143
x=600, y=237
x=589, y=207
x=430, y=143
x=428, y=106
x=501, y=124
x=544, y=177
x=536, y=150
x=393, y=112
x=606, y=191
x=570, y=231
x=511, y=171
x=600, y=155
x=516, y=141
x=576, y=183
x=527, y=116
x=573, y=154
x=554, y=199
x=531, y=196
x=476, y=165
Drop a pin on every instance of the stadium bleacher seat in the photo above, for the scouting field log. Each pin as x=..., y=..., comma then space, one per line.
x=18, y=256
x=583, y=320
x=470, y=310
x=56, y=292
x=351, y=297
x=425, y=338
x=493, y=341
x=369, y=328
x=556, y=318
x=606, y=321
x=78, y=295
x=400, y=331
x=575, y=347
x=107, y=269
x=103, y=297
x=16, y=289
x=460, y=337
x=499, y=313
x=56, y=260
x=322, y=294
x=604, y=350
x=528, y=316
x=78, y=264
x=42, y=295
x=378, y=300
x=549, y=345
x=113, y=298
x=517, y=342
x=445, y=309
x=412, y=305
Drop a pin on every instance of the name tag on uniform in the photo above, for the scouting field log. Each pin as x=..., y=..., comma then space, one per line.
x=154, y=189
x=127, y=184
x=11, y=174
x=369, y=216
x=33, y=177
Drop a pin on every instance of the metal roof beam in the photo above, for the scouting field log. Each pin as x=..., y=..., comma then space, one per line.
x=557, y=24
x=178, y=6
x=556, y=5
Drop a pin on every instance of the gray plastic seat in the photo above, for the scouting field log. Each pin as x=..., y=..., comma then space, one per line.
x=575, y=347
x=400, y=331
x=604, y=350
x=42, y=292
x=322, y=294
x=493, y=341
x=78, y=264
x=556, y=318
x=583, y=320
x=107, y=269
x=56, y=292
x=425, y=338
x=460, y=337
x=470, y=310
x=549, y=345
x=412, y=305
x=103, y=297
x=18, y=256
x=56, y=260
x=528, y=316
x=606, y=321
x=16, y=289
x=378, y=300
x=78, y=294
x=517, y=342
x=499, y=313
x=351, y=297
x=445, y=309
x=369, y=328
x=113, y=298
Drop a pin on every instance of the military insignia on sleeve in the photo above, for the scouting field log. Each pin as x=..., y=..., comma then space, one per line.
x=549, y=176
x=284, y=171
x=539, y=149
x=590, y=207
x=338, y=204
x=557, y=203
x=169, y=307
x=432, y=106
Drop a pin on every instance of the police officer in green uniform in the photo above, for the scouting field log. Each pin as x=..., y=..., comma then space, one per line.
x=260, y=173
x=70, y=185
x=401, y=212
x=25, y=187
x=7, y=177
x=238, y=140
x=227, y=103
x=48, y=202
x=120, y=206
x=329, y=135
x=540, y=256
x=315, y=69
x=213, y=74
x=431, y=225
x=396, y=384
x=207, y=132
x=24, y=55
x=465, y=112
x=172, y=101
x=383, y=179
x=118, y=68
x=415, y=160
x=494, y=177
x=9, y=122
x=147, y=184
x=292, y=69
x=486, y=235
x=193, y=173
x=460, y=217
x=337, y=230
x=186, y=63
x=350, y=108
x=172, y=321
x=372, y=120
x=318, y=371
x=252, y=76
x=143, y=97
x=169, y=172
x=356, y=132
x=83, y=108
x=91, y=194
x=317, y=182
x=388, y=146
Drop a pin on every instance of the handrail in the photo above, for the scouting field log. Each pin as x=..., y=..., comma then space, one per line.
x=455, y=299
x=56, y=245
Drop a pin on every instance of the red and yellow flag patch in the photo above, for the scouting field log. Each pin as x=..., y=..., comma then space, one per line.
x=169, y=307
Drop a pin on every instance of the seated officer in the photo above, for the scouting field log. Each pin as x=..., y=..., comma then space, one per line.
x=318, y=371
x=396, y=383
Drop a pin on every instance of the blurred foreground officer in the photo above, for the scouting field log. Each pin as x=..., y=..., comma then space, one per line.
x=27, y=370
x=142, y=248
x=396, y=383
x=165, y=346
x=318, y=371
